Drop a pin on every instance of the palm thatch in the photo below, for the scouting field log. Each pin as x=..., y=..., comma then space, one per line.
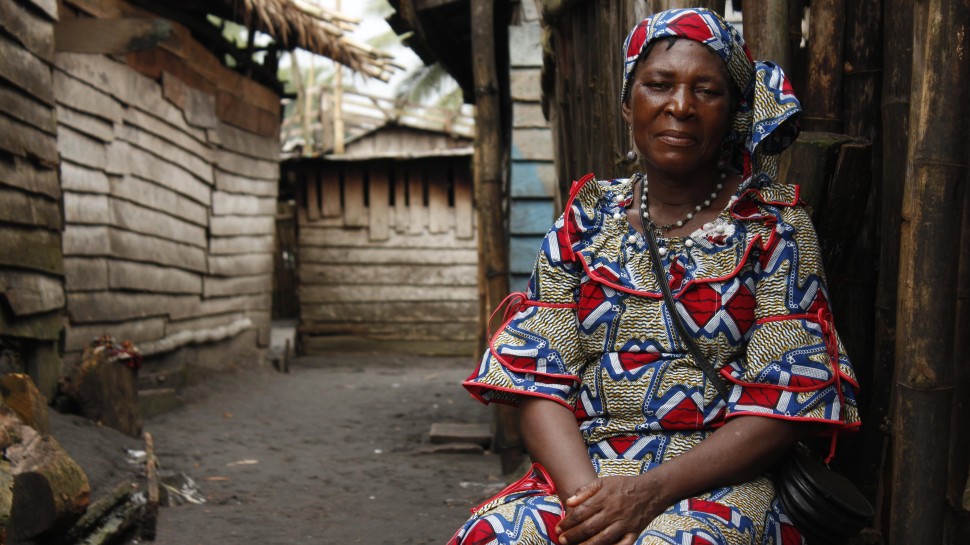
x=297, y=23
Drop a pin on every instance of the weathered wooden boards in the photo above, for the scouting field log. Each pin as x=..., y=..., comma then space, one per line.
x=387, y=250
x=533, y=191
x=169, y=172
x=31, y=267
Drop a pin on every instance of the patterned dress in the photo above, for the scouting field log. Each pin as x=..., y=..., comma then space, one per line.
x=594, y=334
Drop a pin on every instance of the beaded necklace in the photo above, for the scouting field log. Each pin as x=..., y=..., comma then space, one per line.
x=645, y=220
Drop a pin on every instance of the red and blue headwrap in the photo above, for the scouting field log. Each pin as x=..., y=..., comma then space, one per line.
x=766, y=120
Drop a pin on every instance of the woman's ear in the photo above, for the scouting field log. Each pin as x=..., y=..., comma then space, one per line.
x=627, y=112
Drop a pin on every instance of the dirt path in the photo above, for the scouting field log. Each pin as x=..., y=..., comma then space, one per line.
x=330, y=453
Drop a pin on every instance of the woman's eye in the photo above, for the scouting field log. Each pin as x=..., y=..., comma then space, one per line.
x=656, y=85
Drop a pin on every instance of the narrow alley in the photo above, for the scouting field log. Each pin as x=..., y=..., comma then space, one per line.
x=335, y=451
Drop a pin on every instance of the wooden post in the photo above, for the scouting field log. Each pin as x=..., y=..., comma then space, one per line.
x=149, y=519
x=493, y=264
x=863, y=67
x=897, y=74
x=823, y=93
x=929, y=237
x=338, y=104
x=766, y=31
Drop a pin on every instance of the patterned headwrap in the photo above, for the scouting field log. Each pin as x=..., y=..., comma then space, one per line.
x=766, y=120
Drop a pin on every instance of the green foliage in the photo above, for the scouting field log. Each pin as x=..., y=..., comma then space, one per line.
x=427, y=82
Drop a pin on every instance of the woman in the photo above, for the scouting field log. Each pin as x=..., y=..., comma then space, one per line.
x=632, y=442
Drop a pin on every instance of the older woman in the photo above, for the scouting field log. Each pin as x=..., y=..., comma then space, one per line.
x=632, y=441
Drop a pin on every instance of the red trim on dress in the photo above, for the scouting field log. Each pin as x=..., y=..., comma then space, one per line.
x=769, y=221
x=473, y=388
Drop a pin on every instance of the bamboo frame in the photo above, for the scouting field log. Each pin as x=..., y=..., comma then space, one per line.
x=931, y=220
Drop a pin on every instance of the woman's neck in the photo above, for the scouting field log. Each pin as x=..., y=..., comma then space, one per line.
x=676, y=193
x=670, y=199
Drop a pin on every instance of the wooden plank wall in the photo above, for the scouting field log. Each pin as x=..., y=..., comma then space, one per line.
x=387, y=251
x=590, y=135
x=31, y=268
x=169, y=168
x=533, y=203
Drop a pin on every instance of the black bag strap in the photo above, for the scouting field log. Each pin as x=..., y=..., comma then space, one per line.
x=712, y=375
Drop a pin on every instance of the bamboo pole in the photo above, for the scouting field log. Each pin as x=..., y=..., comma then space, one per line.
x=302, y=100
x=931, y=220
x=766, y=31
x=338, y=103
x=489, y=179
x=823, y=93
x=852, y=291
x=958, y=491
x=308, y=107
x=898, y=63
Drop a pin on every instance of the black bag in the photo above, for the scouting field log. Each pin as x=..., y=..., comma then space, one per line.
x=825, y=506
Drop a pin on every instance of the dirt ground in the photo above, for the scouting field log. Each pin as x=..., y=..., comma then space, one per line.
x=333, y=452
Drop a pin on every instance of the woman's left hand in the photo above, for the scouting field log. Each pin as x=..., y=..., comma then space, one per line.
x=611, y=511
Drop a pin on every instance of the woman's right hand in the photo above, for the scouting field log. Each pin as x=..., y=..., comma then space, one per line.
x=612, y=510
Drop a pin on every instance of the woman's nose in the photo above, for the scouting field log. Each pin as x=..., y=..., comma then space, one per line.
x=681, y=102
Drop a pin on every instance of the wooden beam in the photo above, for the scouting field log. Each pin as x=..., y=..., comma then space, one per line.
x=490, y=149
x=110, y=36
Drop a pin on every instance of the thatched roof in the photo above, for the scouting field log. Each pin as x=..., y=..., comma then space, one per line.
x=298, y=23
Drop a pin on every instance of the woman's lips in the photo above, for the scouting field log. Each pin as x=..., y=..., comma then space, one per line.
x=677, y=138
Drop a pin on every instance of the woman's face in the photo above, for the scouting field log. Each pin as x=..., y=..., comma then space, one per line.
x=679, y=107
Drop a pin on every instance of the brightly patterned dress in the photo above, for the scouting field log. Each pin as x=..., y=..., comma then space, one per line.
x=594, y=334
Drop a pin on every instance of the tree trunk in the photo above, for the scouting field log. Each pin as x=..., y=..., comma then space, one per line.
x=931, y=218
x=106, y=391
x=823, y=93
x=49, y=490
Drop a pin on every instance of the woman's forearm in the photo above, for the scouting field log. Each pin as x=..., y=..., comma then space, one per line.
x=740, y=450
x=552, y=437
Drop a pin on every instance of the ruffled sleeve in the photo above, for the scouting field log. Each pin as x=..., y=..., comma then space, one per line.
x=538, y=352
x=795, y=366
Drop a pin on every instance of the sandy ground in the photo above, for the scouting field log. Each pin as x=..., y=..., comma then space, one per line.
x=333, y=452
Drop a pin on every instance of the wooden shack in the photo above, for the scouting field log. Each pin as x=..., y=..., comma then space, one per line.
x=31, y=266
x=169, y=169
x=387, y=248
x=154, y=137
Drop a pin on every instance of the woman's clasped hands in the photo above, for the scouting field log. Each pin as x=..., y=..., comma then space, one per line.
x=612, y=510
